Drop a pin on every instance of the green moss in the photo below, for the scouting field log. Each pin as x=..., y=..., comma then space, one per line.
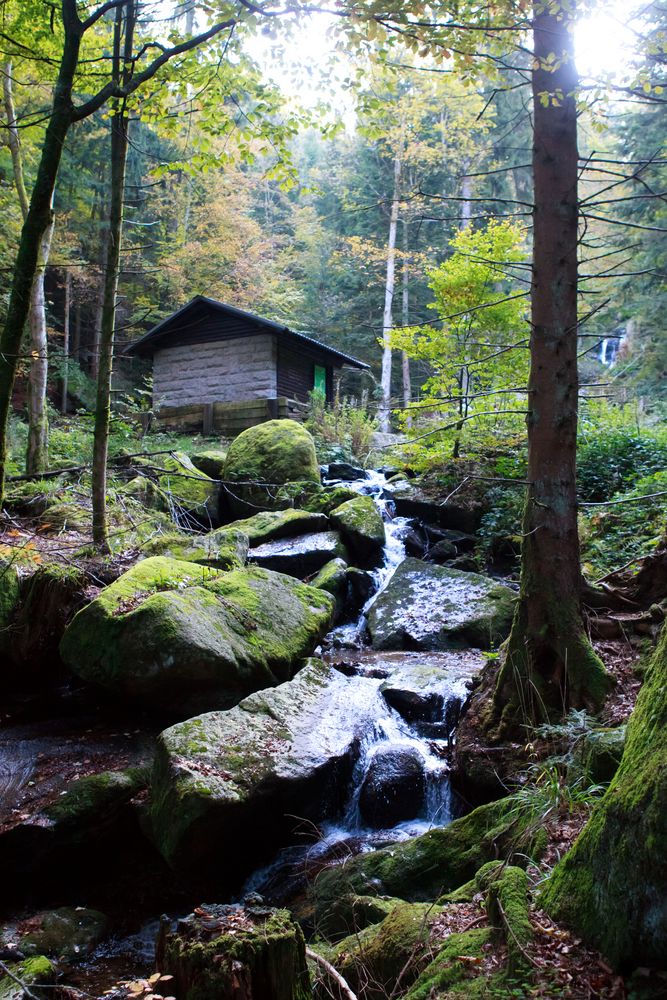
x=277, y=451
x=270, y=525
x=361, y=525
x=507, y=906
x=436, y=862
x=146, y=492
x=225, y=548
x=94, y=796
x=34, y=972
x=265, y=950
x=612, y=886
x=9, y=599
x=189, y=488
x=210, y=462
x=377, y=956
x=453, y=967
x=599, y=753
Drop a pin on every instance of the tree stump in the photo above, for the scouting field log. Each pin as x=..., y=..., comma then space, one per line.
x=235, y=953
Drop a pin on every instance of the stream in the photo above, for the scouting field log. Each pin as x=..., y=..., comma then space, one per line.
x=399, y=786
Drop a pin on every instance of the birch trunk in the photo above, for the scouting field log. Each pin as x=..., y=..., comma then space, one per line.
x=37, y=455
x=387, y=321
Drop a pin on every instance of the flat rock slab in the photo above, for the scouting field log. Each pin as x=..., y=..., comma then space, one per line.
x=435, y=608
x=300, y=556
x=270, y=525
x=227, y=786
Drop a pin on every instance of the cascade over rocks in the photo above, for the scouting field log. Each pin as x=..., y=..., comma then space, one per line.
x=431, y=607
x=182, y=635
x=226, y=786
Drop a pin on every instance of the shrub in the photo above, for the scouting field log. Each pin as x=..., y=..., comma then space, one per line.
x=342, y=430
x=615, y=452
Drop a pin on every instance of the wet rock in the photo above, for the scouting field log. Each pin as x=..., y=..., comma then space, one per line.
x=69, y=932
x=193, y=495
x=236, y=953
x=465, y=563
x=362, y=528
x=410, y=501
x=210, y=462
x=415, y=543
x=224, y=549
x=362, y=586
x=345, y=471
x=300, y=556
x=270, y=525
x=35, y=973
x=461, y=541
x=223, y=779
x=273, y=453
x=434, y=608
x=181, y=635
x=393, y=788
x=441, y=552
x=333, y=579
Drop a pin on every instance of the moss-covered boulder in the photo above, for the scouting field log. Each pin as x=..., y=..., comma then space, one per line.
x=68, y=932
x=35, y=973
x=350, y=914
x=227, y=786
x=9, y=599
x=333, y=578
x=272, y=453
x=192, y=494
x=387, y=955
x=507, y=905
x=90, y=813
x=611, y=887
x=224, y=548
x=360, y=523
x=146, y=492
x=436, y=862
x=233, y=952
x=211, y=462
x=180, y=634
x=271, y=525
x=300, y=556
x=51, y=597
x=598, y=754
x=432, y=607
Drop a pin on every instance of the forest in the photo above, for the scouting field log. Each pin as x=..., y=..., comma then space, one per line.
x=333, y=482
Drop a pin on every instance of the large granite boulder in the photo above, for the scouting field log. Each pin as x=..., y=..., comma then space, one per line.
x=183, y=635
x=211, y=462
x=431, y=607
x=362, y=528
x=300, y=556
x=193, y=494
x=224, y=548
x=394, y=786
x=273, y=453
x=227, y=786
x=271, y=525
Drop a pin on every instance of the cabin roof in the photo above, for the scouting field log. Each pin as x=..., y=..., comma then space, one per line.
x=182, y=327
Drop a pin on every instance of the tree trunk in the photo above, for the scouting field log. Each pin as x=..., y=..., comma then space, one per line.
x=612, y=886
x=36, y=223
x=387, y=322
x=549, y=664
x=99, y=308
x=407, y=383
x=119, y=127
x=66, y=328
x=466, y=195
x=37, y=455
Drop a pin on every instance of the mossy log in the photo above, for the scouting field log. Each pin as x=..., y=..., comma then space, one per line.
x=236, y=953
x=612, y=886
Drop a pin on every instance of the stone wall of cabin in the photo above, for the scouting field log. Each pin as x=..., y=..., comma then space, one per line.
x=222, y=371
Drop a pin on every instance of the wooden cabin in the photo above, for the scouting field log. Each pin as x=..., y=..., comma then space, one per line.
x=221, y=369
